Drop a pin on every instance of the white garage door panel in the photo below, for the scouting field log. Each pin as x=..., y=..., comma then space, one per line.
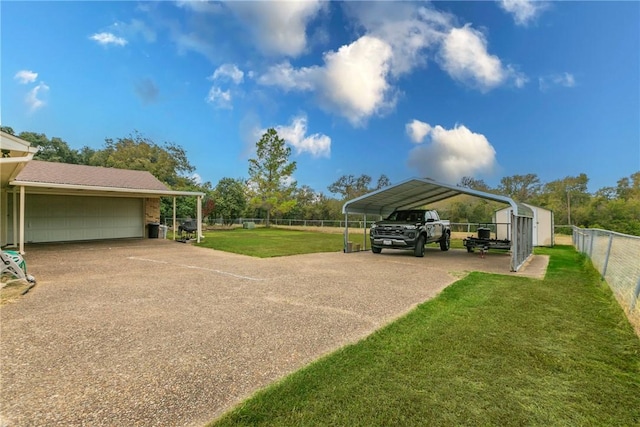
x=66, y=218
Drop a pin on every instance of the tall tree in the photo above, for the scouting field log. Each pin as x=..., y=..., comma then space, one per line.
x=521, y=188
x=51, y=150
x=167, y=162
x=474, y=184
x=350, y=186
x=567, y=197
x=230, y=198
x=270, y=176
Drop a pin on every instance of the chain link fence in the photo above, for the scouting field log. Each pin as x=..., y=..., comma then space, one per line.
x=617, y=257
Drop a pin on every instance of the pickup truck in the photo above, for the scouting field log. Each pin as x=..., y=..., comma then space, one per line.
x=410, y=229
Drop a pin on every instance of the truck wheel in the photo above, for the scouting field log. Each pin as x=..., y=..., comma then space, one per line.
x=445, y=243
x=470, y=249
x=419, y=249
x=376, y=250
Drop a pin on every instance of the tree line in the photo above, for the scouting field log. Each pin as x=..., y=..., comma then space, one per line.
x=270, y=192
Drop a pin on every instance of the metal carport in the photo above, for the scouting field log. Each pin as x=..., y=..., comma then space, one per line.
x=424, y=191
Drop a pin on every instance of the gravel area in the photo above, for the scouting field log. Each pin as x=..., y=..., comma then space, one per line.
x=159, y=333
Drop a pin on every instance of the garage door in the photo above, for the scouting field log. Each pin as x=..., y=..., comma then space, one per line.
x=66, y=218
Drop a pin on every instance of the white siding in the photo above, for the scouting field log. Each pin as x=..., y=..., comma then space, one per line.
x=52, y=218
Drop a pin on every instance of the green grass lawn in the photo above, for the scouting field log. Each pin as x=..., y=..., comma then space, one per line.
x=490, y=350
x=270, y=242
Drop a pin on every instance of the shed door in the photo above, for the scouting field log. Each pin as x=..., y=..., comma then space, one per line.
x=51, y=218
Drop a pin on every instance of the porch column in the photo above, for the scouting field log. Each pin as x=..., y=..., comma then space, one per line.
x=174, y=218
x=21, y=239
x=14, y=218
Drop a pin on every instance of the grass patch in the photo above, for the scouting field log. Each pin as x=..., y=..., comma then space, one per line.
x=264, y=242
x=489, y=350
x=271, y=242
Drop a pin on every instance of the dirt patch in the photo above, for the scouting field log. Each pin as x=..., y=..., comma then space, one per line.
x=12, y=290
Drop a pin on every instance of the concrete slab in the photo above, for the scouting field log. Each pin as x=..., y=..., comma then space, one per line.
x=154, y=332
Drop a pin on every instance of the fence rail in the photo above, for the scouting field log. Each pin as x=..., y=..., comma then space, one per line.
x=616, y=256
x=465, y=227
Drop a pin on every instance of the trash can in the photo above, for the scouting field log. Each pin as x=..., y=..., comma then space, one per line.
x=154, y=227
x=163, y=232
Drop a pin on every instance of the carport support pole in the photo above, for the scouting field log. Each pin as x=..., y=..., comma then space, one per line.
x=21, y=248
x=199, y=214
x=173, y=224
x=346, y=232
x=364, y=233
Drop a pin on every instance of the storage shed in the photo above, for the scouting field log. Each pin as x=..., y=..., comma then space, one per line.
x=543, y=224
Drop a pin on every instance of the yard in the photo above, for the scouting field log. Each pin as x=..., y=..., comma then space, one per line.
x=489, y=350
x=151, y=331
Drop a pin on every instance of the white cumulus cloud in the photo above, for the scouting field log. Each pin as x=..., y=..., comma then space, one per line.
x=417, y=130
x=450, y=154
x=409, y=28
x=26, y=76
x=220, y=98
x=524, y=11
x=108, y=38
x=34, y=98
x=352, y=81
x=465, y=58
x=228, y=72
x=355, y=79
x=279, y=28
x=318, y=145
x=286, y=77
x=562, y=79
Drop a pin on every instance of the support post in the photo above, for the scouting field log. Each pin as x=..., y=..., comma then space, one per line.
x=199, y=217
x=21, y=238
x=606, y=257
x=364, y=233
x=15, y=218
x=174, y=218
x=346, y=232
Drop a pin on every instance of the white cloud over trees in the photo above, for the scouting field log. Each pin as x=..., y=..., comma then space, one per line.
x=295, y=134
x=449, y=154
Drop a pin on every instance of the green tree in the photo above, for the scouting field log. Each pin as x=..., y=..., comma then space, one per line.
x=230, y=198
x=167, y=162
x=521, y=188
x=350, y=187
x=51, y=150
x=567, y=198
x=474, y=184
x=270, y=176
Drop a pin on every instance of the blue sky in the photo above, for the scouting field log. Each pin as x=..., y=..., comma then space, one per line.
x=406, y=89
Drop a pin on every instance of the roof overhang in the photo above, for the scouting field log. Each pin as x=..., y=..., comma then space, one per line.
x=15, y=155
x=51, y=188
x=419, y=192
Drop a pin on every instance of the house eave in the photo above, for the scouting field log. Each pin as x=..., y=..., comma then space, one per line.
x=87, y=189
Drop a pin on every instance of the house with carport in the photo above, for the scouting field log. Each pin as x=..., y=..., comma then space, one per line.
x=58, y=202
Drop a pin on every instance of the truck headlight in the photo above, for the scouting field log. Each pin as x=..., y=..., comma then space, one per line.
x=410, y=227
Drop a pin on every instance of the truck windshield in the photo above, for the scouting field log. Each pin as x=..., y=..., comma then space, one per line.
x=408, y=216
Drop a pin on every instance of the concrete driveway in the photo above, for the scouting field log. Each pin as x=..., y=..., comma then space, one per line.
x=154, y=332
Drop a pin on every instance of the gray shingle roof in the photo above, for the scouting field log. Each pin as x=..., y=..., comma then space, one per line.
x=90, y=176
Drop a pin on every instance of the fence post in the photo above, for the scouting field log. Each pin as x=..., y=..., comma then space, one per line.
x=606, y=257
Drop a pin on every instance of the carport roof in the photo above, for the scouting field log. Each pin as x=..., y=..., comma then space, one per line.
x=57, y=177
x=419, y=192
